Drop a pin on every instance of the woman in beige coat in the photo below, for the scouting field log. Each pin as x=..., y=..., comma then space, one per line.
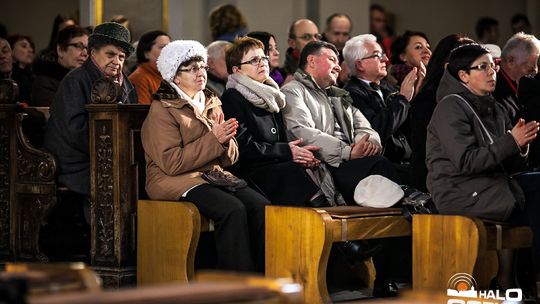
x=187, y=143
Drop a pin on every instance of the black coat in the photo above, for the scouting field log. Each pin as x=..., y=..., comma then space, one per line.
x=387, y=117
x=24, y=79
x=48, y=76
x=67, y=128
x=506, y=96
x=422, y=107
x=263, y=146
x=529, y=96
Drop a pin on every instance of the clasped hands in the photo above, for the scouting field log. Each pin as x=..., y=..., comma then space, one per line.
x=224, y=130
x=304, y=154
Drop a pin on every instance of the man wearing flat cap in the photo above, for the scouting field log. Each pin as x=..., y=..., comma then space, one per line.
x=67, y=128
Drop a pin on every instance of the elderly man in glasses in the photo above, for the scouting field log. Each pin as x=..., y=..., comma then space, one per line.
x=301, y=32
x=386, y=107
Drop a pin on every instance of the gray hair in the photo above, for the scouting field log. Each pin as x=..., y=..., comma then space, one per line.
x=520, y=46
x=355, y=49
x=217, y=48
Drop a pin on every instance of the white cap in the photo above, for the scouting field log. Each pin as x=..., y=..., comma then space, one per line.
x=377, y=191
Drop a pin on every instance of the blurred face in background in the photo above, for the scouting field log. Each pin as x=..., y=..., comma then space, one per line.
x=6, y=59
x=23, y=53
x=338, y=32
x=273, y=53
x=417, y=50
x=159, y=43
x=75, y=54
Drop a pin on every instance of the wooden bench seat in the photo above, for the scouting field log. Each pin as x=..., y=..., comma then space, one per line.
x=298, y=240
x=444, y=245
x=167, y=238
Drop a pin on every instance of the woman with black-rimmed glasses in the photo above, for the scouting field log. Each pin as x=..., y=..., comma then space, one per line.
x=254, y=99
x=50, y=68
x=472, y=150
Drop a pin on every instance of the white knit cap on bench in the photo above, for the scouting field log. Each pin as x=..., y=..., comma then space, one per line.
x=377, y=191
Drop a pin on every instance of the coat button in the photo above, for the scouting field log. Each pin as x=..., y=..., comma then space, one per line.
x=273, y=130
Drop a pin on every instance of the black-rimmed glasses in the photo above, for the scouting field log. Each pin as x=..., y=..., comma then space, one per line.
x=485, y=67
x=256, y=61
x=81, y=47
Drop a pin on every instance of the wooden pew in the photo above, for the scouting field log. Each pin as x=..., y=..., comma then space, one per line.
x=167, y=238
x=298, y=240
x=444, y=245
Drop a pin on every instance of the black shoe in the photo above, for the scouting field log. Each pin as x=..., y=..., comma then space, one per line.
x=385, y=289
x=354, y=251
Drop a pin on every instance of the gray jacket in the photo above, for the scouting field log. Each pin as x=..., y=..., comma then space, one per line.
x=310, y=114
x=469, y=174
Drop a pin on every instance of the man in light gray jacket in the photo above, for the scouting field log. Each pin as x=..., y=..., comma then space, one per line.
x=322, y=114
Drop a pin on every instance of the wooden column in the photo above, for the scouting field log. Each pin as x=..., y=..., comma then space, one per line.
x=116, y=159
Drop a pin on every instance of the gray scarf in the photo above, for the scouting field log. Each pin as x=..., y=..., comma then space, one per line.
x=265, y=95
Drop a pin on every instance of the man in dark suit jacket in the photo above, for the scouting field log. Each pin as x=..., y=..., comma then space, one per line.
x=519, y=58
x=386, y=107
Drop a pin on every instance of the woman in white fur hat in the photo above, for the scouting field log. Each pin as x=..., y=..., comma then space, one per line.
x=187, y=143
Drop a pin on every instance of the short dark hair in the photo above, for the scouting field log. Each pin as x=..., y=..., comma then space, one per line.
x=314, y=47
x=263, y=37
x=520, y=18
x=12, y=39
x=377, y=7
x=242, y=45
x=484, y=24
x=146, y=42
x=400, y=44
x=463, y=56
x=68, y=33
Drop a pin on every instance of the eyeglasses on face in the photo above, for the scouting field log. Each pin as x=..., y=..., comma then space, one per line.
x=380, y=56
x=485, y=67
x=194, y=69
x=79, y=46
x=309, y=37
x=256, y=61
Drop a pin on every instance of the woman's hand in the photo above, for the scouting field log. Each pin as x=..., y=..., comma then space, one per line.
x=224, y=130
x=421, y=75
x=304, y=155
x=407, y=85
x=524, y=133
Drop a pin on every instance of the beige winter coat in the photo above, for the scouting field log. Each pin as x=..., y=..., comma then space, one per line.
x=179, y=144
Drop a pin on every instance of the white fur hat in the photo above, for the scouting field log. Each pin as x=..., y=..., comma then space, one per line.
x=177, y=52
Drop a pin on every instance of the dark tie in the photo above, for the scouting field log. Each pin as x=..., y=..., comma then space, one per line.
x=375, y=86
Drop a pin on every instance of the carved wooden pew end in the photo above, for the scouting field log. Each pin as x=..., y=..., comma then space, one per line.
x=167, y=237
x=444, y=245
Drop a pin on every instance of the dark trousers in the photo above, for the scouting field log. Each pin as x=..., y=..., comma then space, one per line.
x=349, y=173
x=239, y=225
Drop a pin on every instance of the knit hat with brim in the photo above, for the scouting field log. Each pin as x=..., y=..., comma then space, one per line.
x=111, y=33
x=176, y=53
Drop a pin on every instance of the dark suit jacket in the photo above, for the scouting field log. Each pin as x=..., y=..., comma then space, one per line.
x=387, y=116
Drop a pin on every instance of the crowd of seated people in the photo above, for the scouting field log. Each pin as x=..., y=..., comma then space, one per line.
x=222, y=117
